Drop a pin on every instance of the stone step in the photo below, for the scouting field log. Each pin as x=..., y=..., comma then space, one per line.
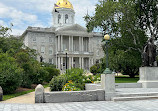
x=137, y=94
x=134, y=98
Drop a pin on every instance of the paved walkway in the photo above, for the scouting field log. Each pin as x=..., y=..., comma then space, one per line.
x=26, y=98
x=146, y=105
x=26, y=103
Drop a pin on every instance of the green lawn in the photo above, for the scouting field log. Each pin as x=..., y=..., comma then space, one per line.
x=9, y=96
x=126, y=79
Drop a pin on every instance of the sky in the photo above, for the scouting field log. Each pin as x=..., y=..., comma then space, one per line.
x=37, y=13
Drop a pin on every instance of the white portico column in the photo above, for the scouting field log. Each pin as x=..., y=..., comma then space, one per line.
x=56, y=61
x=82, y=44
x=70, y=62
x=69, y=44
x=72, y=44
x=62, y=63
x=61, y=42
x=59, y=63
x=58, y=42
x=80, y=62
x=89, y=45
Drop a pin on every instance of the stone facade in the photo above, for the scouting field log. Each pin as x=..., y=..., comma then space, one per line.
x=83, y=48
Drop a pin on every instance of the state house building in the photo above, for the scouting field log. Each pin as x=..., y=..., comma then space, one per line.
x=83, y=48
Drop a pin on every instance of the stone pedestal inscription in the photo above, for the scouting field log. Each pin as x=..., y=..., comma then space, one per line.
x=148, y=76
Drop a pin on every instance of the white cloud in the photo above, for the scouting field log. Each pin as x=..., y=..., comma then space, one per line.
x=2, y=22
x=10, y=12
x=17, y=32
x=24, y=13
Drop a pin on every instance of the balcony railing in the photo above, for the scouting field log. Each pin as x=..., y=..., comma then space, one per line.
x=75, y=53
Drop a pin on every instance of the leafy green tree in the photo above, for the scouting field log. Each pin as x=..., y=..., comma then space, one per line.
x=51, y=73
x=31, y=67
x=10, y=45
x=4, y=31
x=147, y=13
x=96, y=68
x=119, y=20
x=10, y=73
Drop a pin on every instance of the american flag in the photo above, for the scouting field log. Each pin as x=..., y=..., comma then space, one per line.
x=55, y=5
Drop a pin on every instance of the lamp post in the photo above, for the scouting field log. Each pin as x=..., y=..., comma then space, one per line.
x=107, y=70
x=66, y=57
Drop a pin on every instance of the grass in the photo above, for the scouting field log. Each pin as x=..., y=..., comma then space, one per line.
x=9, y=96
x=126, y=79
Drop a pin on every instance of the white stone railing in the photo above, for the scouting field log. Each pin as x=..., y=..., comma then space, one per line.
x=76, y=52
x=67, y=96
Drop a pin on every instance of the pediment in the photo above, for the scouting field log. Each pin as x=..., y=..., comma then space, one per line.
x=73, y=28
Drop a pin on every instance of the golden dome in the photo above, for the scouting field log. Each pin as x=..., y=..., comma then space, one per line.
x=63, y=4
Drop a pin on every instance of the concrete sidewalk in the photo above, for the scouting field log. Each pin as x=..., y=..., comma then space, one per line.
x=24, y=99
x=147, y=105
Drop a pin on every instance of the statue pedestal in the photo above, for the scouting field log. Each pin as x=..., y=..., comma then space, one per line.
x=148, y=76
x=108, y=84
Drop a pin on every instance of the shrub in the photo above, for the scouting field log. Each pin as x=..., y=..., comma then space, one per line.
x=40, y=76
x=51, y=73
x=77, y=76
x=10, y=74
x=70, y=86
x=57, y=83
x=96, y=69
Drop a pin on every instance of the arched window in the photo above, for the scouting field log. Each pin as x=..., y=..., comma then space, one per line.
x=66, y=18
x=59, y=17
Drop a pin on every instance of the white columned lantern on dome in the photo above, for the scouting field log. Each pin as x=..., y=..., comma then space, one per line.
x=63, y=14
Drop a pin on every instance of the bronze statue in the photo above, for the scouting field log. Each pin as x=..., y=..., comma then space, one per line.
x=149, y=54
x=41, y=59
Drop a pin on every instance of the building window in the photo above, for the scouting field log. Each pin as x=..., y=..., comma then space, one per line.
x=59, y=18
x=50, y=51
x=43, y=49
x=51, y=61
x=66, y=18
x=34, y=39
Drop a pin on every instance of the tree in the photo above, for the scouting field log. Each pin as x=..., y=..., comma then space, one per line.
x=4, y=31
x=119, y=19
x=147, y=13
x=31, y=67
x=10, y=73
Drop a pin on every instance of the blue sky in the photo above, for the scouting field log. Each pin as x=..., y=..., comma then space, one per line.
x=37, y=13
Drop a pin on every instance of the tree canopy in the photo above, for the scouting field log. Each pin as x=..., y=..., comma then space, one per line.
x=121, y=21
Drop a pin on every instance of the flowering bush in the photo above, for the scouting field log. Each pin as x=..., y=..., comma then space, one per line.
x=70, y=86
x=57, y=82
x=79, y=78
